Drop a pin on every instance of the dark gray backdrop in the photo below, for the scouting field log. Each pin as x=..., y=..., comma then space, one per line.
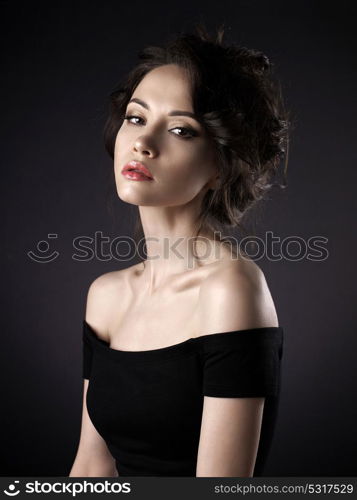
x=59, y=62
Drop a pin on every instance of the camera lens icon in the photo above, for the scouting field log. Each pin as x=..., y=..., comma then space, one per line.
x=13, y=491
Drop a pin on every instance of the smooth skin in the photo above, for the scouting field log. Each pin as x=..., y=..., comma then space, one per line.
x=171, y=299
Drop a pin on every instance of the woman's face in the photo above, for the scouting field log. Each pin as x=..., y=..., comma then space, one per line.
x=175, y=149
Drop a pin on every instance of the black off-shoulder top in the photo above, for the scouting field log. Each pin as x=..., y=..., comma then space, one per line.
x=147, y=405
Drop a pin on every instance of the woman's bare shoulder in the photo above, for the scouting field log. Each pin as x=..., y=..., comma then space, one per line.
x=107, y=281
x=107, y=297
x=236, y=296
x=232, y=270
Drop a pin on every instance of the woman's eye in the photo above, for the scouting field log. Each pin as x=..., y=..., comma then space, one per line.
x=130, y=117
x=186, y=133
x=190, y=132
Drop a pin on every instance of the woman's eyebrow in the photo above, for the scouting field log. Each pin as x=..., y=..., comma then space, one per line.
x=175, y=112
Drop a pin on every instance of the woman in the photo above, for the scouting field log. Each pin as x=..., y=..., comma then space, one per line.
x=182, y=351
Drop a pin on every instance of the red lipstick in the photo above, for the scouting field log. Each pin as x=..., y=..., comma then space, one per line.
x=137, y=171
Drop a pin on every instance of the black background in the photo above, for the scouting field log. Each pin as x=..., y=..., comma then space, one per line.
x=59, y=62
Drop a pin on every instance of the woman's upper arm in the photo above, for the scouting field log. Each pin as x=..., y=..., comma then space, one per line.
x=229, y=439
x=236, y=299
x=93, y=457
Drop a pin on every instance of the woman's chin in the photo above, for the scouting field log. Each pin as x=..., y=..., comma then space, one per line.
x=135, y=198
x=129, y=194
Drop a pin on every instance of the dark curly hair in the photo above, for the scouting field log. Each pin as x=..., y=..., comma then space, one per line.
x=239, y=105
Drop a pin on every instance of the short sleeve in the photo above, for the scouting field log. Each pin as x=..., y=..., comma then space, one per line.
x=244, y=363
x=87, y=354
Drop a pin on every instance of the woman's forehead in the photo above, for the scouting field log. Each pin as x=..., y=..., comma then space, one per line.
x=167, y=83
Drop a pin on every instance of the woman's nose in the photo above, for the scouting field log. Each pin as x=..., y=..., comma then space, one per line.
x=144, y=146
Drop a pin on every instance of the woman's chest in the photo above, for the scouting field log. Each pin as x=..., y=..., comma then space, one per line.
x=157, y=401
x=156, y=322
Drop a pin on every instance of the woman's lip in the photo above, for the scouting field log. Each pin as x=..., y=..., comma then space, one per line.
x=137, y=165
x=136, y=176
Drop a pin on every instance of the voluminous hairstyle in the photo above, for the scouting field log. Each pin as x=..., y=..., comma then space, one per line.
x=239, y=104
